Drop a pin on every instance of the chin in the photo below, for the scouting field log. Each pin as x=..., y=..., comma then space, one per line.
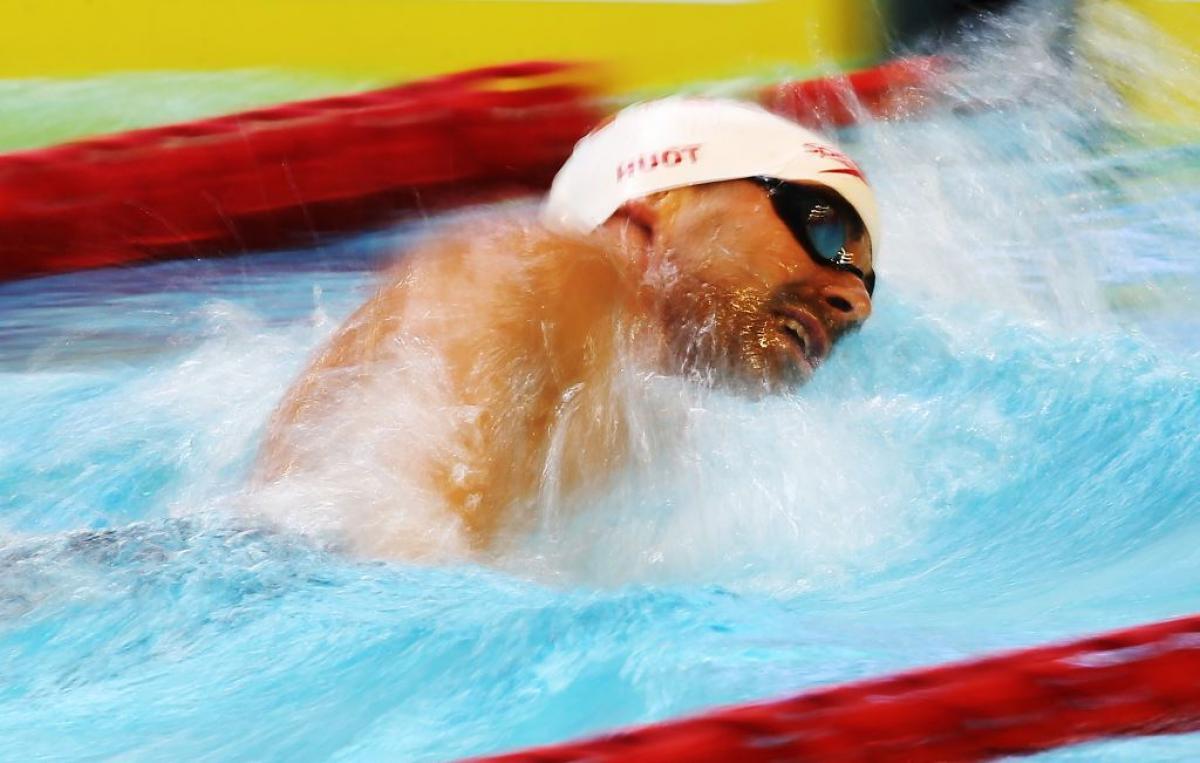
x=754, y=359
x=782, y=379
x=758, y=373
x=750, y=341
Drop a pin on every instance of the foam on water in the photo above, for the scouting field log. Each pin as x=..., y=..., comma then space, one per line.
x=1004, y=454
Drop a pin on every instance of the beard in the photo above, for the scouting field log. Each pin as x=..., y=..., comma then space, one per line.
x=729, y=338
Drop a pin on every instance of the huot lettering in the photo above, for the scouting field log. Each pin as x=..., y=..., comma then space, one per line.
x=674, y=156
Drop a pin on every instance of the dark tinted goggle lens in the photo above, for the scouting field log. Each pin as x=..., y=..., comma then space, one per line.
x=827, y=232
x=822, y=222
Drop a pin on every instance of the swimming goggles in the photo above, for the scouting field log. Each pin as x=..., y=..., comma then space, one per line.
x=823, y=223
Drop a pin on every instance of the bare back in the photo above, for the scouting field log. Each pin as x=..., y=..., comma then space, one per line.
x=514, y=334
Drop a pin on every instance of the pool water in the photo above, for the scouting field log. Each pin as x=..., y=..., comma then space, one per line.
x=1006, y=453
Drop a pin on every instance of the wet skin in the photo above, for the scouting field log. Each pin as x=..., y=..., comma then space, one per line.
x=529, y=329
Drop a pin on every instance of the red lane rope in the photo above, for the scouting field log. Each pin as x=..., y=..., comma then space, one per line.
x=278, y=176
x=894, y=90
x=1140, y=681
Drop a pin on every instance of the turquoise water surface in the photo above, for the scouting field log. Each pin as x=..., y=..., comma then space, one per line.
x=1007, y=453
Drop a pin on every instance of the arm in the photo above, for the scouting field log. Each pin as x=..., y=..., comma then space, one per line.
x=535, y=354
x=523, y=327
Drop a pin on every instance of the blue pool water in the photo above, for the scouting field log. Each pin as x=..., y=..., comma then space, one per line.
x=1007, y=453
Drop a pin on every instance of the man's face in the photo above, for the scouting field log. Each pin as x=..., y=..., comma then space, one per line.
x=743, y=299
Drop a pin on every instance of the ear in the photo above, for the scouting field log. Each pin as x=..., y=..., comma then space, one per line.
x=638, y=222
x=644, y=213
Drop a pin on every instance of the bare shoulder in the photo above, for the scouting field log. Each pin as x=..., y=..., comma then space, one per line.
x=513, y=249
x=499, y=276
x=492, y=298
x=494, y=270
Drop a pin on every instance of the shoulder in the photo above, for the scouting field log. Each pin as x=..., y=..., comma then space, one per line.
x=508, y=253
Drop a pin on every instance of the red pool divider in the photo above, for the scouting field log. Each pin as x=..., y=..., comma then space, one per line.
x=1139, y=681
x=893, y=90
x=283, y=176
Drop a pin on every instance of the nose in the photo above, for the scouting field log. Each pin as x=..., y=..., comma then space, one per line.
x=846, y=304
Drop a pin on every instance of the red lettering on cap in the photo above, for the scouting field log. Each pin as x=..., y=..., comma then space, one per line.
x=668, y=157
x=828, y=152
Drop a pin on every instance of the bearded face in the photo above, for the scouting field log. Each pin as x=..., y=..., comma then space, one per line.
x=746, y=297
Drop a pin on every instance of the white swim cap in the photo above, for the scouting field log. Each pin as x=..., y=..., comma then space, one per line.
x=678, y=142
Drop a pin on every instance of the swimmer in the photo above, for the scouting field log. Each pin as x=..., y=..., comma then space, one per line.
x=704, y=238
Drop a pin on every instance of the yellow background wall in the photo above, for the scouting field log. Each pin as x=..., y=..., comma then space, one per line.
x=1150, y=51
x=648, y=44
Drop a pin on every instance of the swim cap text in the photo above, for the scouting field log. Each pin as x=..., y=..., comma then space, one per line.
x=829, y=152
x=669, y=157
